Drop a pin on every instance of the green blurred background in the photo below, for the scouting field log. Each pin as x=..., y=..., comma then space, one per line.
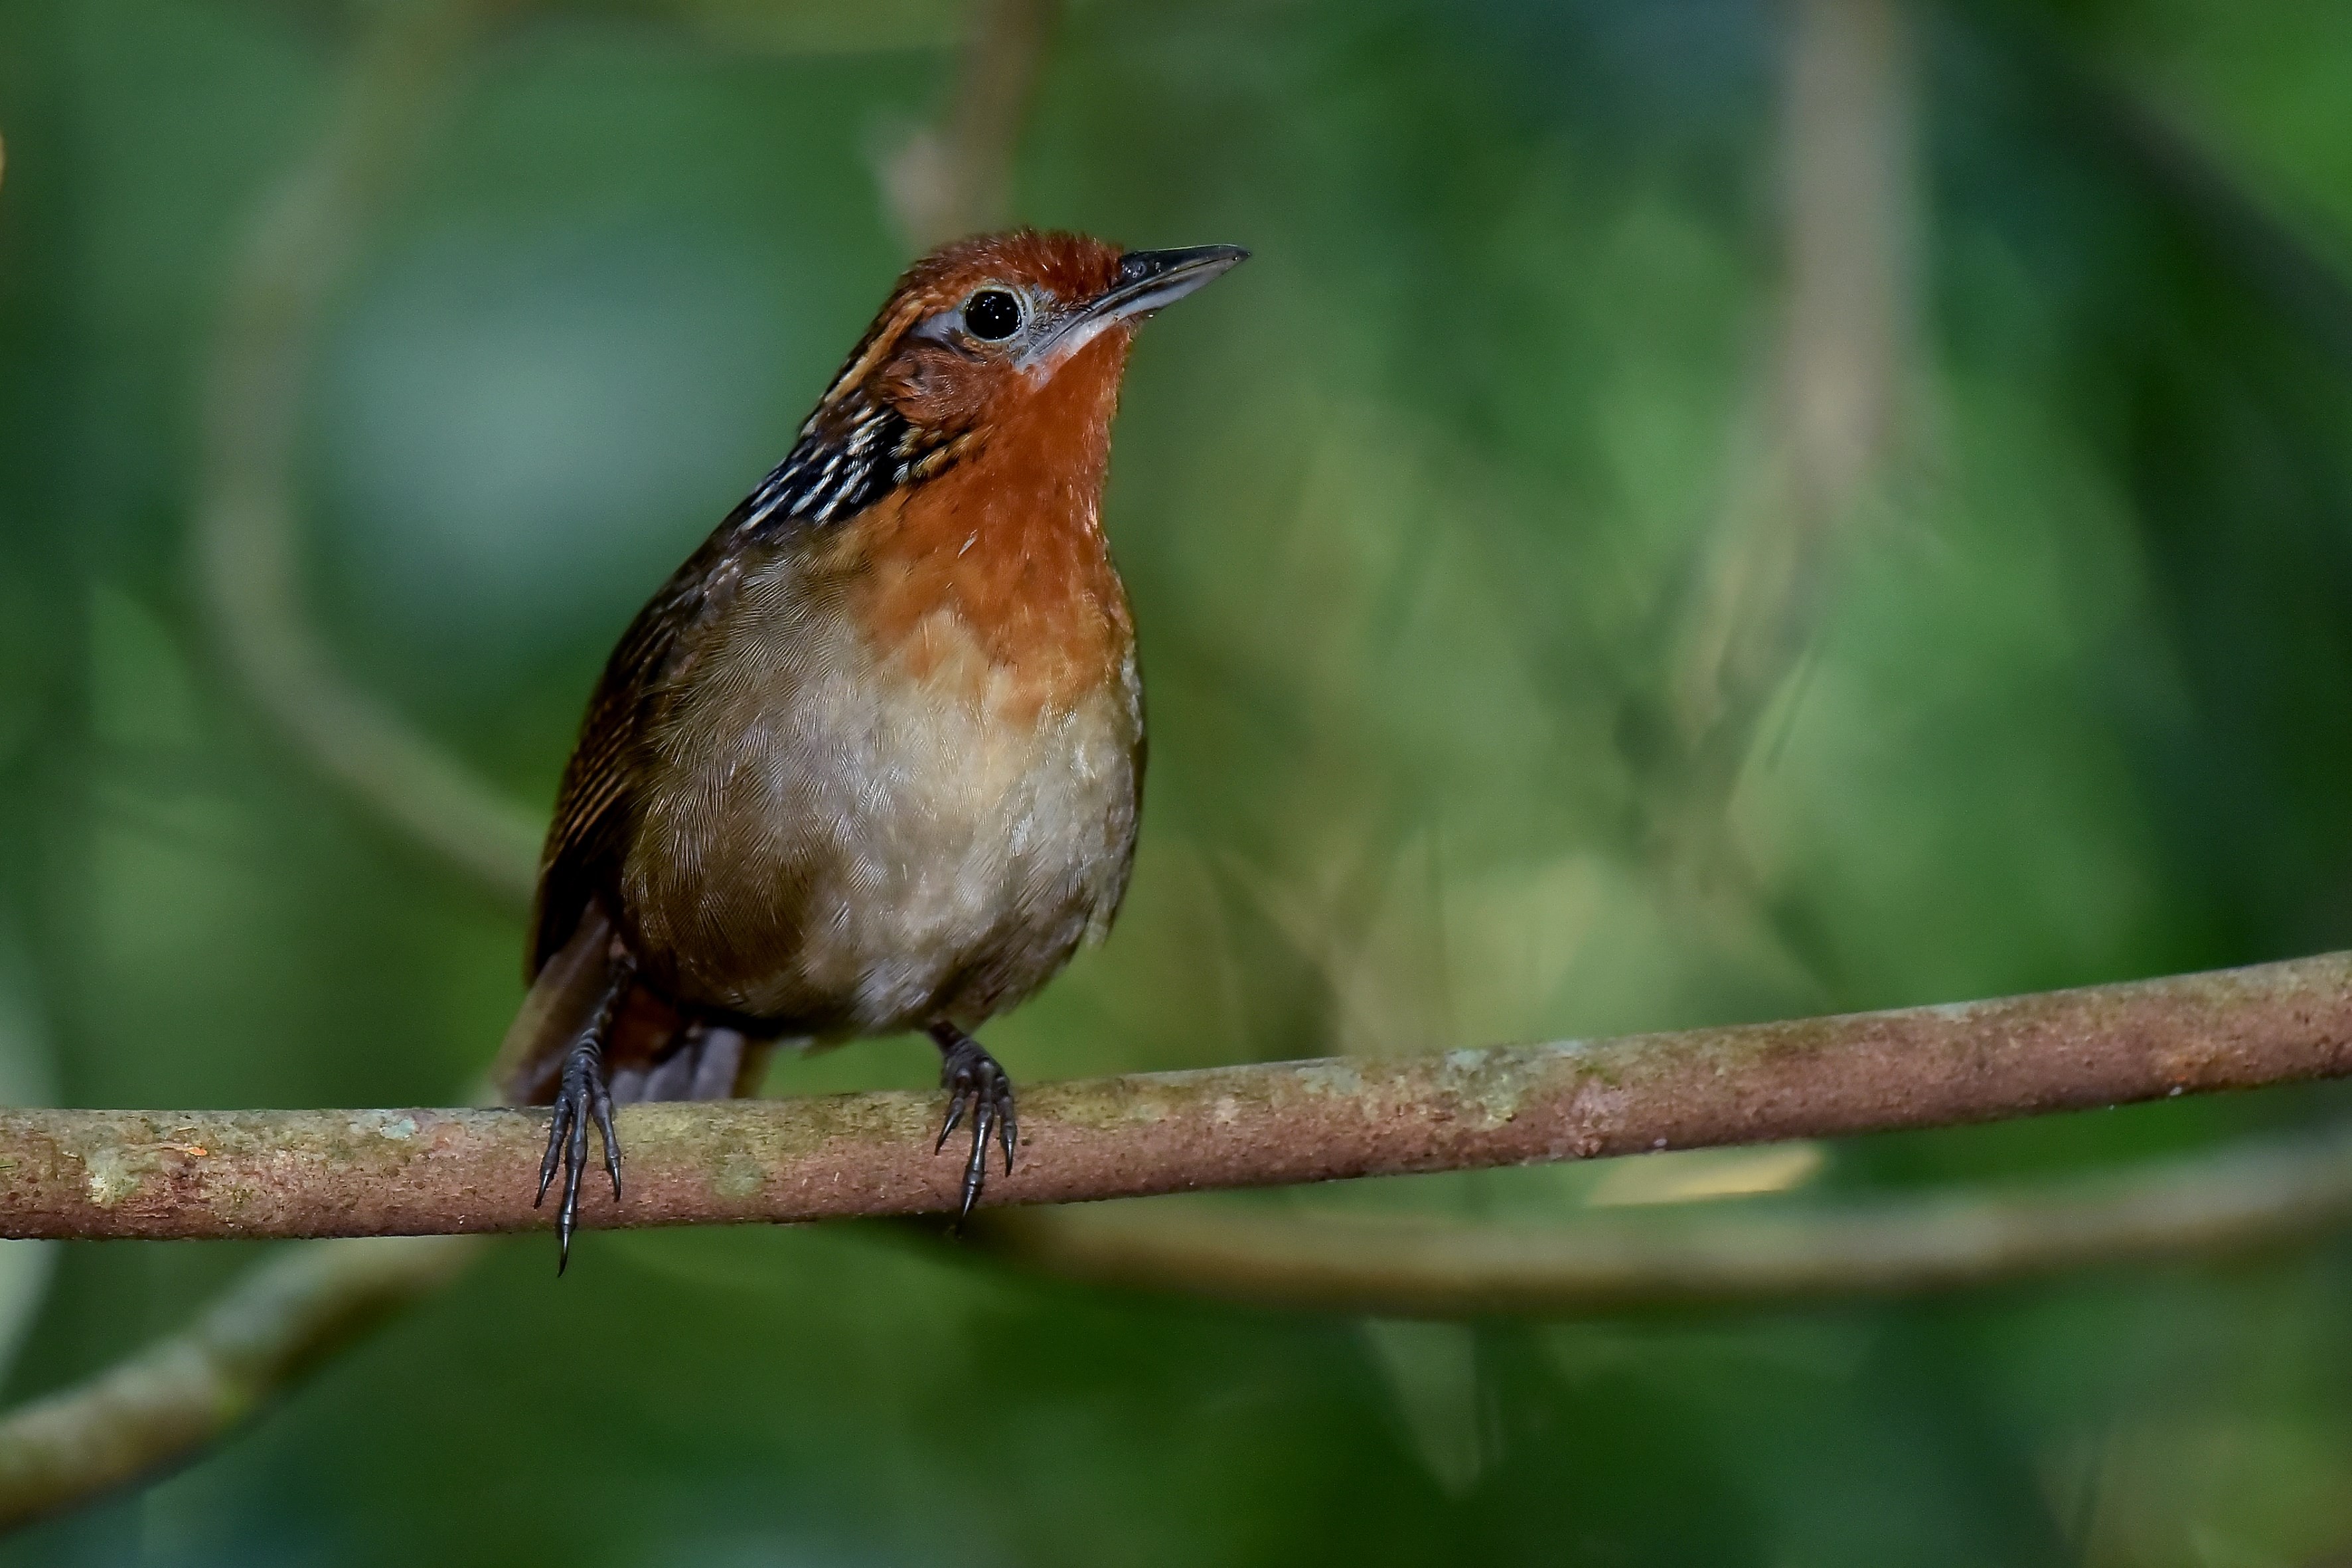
x=1699, y=511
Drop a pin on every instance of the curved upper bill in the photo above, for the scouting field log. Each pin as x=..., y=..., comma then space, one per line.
x=1148, y=280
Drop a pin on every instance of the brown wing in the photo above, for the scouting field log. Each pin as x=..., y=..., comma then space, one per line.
x=586, y=841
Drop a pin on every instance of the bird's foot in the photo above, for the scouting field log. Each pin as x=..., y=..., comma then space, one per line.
x=975, y=1084
x=582, y=1094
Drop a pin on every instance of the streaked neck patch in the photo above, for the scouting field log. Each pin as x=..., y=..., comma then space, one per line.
x=847, y=458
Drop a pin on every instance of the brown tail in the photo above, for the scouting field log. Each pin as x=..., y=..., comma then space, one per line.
x=652, y=1052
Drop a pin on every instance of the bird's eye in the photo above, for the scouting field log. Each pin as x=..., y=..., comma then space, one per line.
x=992, y=314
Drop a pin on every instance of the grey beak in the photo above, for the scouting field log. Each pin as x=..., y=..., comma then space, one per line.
x=1148, y=280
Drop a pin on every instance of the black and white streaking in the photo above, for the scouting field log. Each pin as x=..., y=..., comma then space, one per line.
x=839, y=466
x=847, y=458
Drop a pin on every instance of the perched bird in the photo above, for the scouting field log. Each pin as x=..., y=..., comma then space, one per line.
x=871, y=760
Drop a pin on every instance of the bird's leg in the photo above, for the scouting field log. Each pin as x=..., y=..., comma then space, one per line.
x=975, y=1083
x=582, y=1093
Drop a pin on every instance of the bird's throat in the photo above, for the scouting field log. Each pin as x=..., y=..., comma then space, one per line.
x=1002, y=556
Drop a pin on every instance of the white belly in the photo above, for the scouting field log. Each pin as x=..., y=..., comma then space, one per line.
x=906, y=838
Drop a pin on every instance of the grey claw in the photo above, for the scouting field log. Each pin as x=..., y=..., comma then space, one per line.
x=555, y=1150
x=975, y=1083
x=603, y=1107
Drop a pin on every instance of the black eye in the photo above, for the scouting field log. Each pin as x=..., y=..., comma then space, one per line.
x=991, y=314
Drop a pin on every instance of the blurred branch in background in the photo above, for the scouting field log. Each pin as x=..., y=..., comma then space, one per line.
x=248, y=545
x=1694, y=1255
x=956, y=177
x=1830, y=414
x=164, y=1403
x=199, y=1173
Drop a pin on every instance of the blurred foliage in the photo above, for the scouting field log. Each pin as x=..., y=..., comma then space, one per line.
x=1409, y=508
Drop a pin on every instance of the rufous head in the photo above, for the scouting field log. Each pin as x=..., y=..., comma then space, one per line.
x=976, y=337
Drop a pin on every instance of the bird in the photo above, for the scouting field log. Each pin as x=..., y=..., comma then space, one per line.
x=871, y=760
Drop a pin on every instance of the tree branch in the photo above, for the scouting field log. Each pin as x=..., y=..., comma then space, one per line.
x=153, y=1175
x=181, y=1392
x=372, y=1173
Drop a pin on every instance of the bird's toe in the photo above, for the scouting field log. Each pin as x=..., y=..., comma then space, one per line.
x=977, y=1087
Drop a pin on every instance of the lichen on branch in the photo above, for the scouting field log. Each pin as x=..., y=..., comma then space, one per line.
x=374, y=1173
